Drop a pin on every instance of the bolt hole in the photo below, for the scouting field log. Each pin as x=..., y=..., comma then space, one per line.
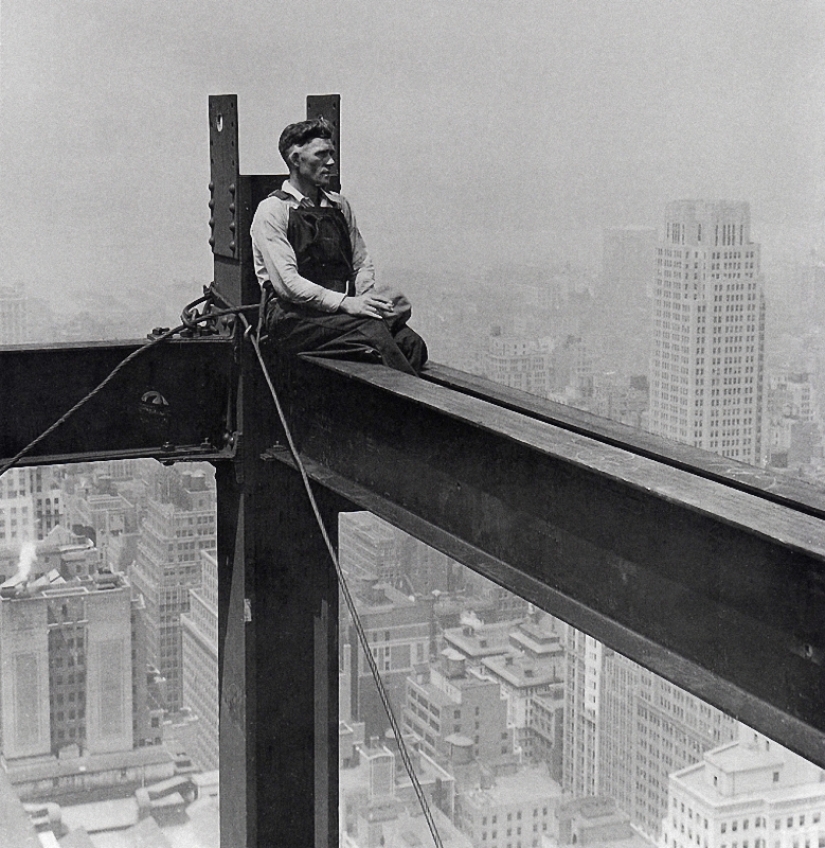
x=219, y=123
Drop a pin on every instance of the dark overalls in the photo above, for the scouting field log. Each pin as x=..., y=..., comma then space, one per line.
x=320, y=238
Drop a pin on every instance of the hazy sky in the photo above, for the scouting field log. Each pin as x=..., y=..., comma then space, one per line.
x=474, y=133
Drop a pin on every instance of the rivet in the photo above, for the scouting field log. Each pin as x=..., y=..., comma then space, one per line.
x=211, y=241
x=232, y=226
x=211, y=222
x=232, y=188
x=212, y=203
x=232, y=207
x=232, y=245
x=211, y=186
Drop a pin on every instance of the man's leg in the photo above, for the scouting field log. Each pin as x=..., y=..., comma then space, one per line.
x=337, y=336
x=412, y=346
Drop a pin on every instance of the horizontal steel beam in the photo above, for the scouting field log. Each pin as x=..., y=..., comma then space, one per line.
x=773, y=486
x=720, y=590
x=171, y=402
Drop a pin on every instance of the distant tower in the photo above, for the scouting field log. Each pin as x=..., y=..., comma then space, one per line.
x=707, y=362
x=200, y=661
x=13, y=315
x=623, y=301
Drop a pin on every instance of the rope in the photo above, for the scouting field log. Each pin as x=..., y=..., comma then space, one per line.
x=190, y=321
x=359, y=627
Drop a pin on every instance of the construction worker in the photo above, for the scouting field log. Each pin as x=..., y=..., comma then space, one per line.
x=310, y=256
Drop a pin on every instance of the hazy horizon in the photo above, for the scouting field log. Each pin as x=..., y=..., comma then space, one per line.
x=473, y=134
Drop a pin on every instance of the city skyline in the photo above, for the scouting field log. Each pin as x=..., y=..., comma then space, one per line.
x=600, y=114
x=510, y=166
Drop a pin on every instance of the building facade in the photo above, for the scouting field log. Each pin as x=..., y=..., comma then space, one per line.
x=751, y=793
x=72, y=686
x=13, y=315
x=167, y=568
x=200, y=662
x=627, y=730
x=457, y=709
x=707, y=366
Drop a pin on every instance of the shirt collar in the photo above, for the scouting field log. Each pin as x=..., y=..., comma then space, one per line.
x=326, y=198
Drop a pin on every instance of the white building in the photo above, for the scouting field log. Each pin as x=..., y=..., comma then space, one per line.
x=707, y=362
x=752, y=793
x=200, y=661
x=513, y=810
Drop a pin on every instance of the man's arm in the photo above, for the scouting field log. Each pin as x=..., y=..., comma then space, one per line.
x=272, y=250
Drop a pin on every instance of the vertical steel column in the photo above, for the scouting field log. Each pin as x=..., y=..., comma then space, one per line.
x=278, y=612
x=278, y=597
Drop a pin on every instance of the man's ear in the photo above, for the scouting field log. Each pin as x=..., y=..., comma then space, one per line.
x=293, y=157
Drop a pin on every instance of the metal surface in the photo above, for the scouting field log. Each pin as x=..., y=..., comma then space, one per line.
x=171, y=402
x=771, y=485
x=279, y=670
x=223, y=155
x=731, y=585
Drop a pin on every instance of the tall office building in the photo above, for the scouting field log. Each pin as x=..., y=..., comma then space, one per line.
x=707, y=363
x=622, y=302
x=179, y=524
x=36, y=493
x=627, y=730
x=399, y=633
x=68, y=646
x=200, y=662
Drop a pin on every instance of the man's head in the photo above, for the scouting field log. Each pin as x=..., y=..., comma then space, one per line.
x=308, y=151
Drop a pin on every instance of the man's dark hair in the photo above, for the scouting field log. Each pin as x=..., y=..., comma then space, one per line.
x=301, y=133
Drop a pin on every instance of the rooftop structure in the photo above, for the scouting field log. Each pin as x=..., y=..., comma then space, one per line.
x=511, y=808
x=751, y=790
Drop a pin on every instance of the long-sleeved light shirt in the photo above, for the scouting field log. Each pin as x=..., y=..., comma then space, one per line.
x=275, y=260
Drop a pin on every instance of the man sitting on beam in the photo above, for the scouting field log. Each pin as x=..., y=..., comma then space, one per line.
x=310, y=256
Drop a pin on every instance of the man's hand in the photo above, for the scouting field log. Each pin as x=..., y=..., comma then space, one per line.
x=367, y=306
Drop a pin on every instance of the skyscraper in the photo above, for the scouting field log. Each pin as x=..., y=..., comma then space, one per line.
x=622, y=303
x=200, y=661
x=167, y=566
x=708, y=355
x=73, y=709
x=627, y=730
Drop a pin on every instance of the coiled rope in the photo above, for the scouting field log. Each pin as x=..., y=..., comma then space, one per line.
x=190, y=321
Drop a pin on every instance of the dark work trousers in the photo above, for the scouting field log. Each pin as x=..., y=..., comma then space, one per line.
x=336, y=335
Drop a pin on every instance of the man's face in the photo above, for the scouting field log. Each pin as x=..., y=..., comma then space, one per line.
x=314, y=161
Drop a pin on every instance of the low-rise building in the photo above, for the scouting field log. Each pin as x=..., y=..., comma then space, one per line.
x=751, y=793
x=510, y=810
x=454, y=706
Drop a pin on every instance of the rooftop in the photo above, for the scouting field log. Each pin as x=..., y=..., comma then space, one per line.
x=527, y=785
x=797, y=777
